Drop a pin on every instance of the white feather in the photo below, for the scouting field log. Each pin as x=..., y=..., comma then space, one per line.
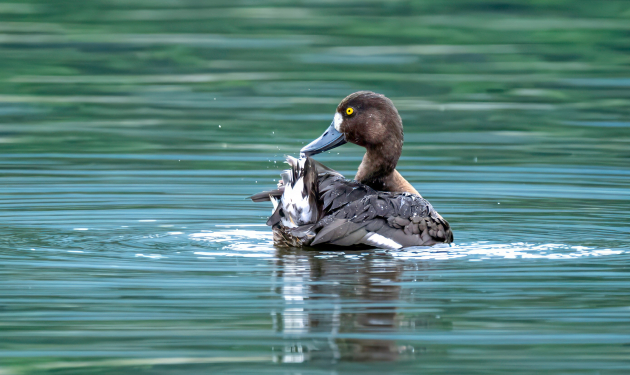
x=337, y=121
x=375, y=239
x=296, y=207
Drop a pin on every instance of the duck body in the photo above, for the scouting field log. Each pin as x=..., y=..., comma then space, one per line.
x=315, y=205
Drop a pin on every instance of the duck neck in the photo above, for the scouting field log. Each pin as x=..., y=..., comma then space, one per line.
x=377, y=164
x=378, y=169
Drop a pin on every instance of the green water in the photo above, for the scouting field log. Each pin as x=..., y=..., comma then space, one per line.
x=131, y=133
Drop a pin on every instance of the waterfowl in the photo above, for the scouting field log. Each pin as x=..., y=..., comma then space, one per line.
x=315, y=205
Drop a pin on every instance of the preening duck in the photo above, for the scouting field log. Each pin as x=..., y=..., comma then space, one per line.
x=315, y=205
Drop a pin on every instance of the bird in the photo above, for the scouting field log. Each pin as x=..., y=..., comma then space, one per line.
x=316, y=206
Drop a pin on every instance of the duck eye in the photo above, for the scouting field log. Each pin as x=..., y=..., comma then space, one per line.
x=349, y=111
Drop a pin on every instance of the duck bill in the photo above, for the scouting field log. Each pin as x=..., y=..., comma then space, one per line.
x=327, y=141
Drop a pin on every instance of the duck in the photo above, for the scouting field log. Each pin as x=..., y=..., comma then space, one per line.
x=316, y=206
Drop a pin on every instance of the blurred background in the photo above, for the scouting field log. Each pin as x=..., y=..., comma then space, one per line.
x=133, y=131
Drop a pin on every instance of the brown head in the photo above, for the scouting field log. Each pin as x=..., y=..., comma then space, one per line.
x=369, y=120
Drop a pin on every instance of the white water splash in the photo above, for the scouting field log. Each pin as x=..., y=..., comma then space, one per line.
x=152, y=256
x=479, y=251
x=253, y=243
x=238, y=242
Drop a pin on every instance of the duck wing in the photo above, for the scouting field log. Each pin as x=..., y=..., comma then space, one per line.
x=296, y=201
x=383, y=219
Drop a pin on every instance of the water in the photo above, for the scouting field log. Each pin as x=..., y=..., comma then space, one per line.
x=133, y=131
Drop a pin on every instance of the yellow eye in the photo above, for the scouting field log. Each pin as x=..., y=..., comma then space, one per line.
x=349, y=111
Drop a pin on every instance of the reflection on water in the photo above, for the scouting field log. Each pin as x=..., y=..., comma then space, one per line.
x=313, y=288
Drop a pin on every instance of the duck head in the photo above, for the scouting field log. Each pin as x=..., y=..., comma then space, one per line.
x=369, y=120
x=364, y=118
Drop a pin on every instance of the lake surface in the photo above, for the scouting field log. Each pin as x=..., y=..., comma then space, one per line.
x=132, y=133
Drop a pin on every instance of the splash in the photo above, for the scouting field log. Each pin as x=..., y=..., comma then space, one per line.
x=237, y=242
x=479, y=251
x=253, y=243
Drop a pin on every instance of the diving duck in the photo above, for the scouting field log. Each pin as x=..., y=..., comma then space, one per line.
x=315, y=205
